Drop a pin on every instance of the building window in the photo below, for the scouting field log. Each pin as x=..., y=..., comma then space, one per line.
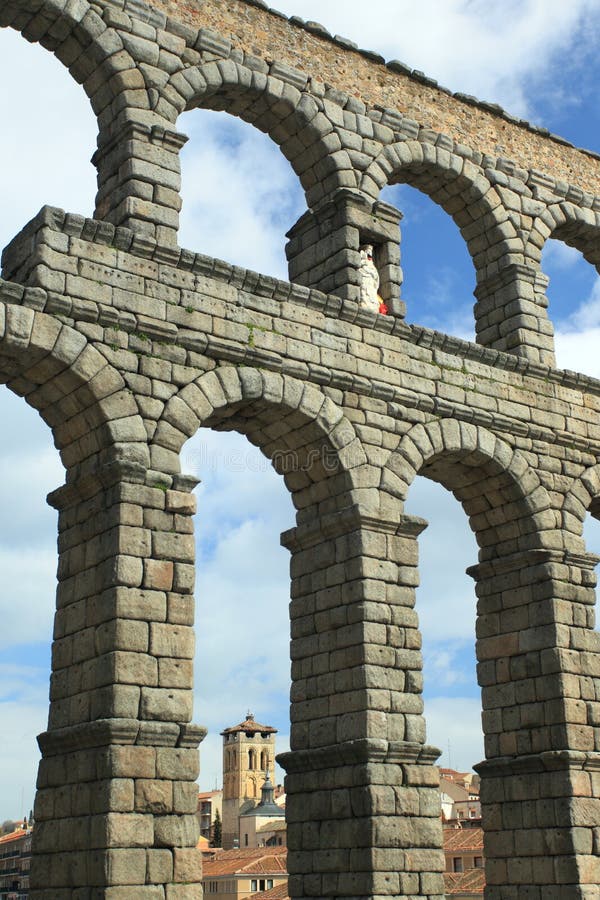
x=245, y=840
x=457, y=864
x=254, y=885
x=479, y=862
x=269, y=883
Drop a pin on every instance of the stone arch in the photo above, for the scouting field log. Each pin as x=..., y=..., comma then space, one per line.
x=582, y=497
x=529, y=591
x=510, y=314
x=577, y=226
x=470, y=461
x=455, y=184
x=80, y=396
x=103, y=61
x=277, y=108
x=80, y=38
x=305, y=435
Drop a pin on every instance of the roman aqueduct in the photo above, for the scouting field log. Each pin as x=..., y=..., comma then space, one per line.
x=127, y=344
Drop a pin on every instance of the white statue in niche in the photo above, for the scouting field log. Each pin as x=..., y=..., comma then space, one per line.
x=369, y=281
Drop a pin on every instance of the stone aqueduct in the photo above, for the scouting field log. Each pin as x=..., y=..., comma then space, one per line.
x=127, y=344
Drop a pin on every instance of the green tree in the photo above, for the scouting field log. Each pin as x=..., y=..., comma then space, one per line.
x=217, y=830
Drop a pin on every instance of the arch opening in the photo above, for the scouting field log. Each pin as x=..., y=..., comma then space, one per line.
x=28, y=559
x=40, y=163
x=242, y=595
x=502, y=502
x=240, y=195
x=573, y=293
x=446, y=607
x=300, y=435
x=437, y=278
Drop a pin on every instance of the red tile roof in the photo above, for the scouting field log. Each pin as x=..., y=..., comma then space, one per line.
x=279, y=892
x=261, y=861
x=14, y=835
x=251, y=726
x=470, y=882
x=457, y=839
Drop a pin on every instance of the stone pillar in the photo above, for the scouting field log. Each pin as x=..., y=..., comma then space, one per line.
x=324, y=247
x=539, y=662
x=139, y=179
x=116, y=801
x=363, y=804
x=510, y=313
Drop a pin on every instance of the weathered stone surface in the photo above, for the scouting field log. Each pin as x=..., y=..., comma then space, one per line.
x=127, y=344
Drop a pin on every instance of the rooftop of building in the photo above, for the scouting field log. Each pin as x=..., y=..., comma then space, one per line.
x=14, y=835
x=279, y=825
x=250, y=726
x=279, y=892
x=456, y=839
x=260, y=861
x=472, y=881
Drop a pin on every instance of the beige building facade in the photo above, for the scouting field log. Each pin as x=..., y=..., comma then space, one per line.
x=240, y=874
x=248, y=756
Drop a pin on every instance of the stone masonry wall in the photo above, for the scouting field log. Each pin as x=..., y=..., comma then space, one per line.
x=364, y=76
x=127, y=344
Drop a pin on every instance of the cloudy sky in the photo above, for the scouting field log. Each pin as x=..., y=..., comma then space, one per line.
x=535, y=57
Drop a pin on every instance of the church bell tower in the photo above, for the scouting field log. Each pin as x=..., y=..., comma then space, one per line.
x=248, y=757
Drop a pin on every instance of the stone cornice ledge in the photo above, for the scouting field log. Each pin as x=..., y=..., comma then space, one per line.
x=128, y=732
x=346, y=521
x=251, y=284
x=548, y=761
x=365, y=750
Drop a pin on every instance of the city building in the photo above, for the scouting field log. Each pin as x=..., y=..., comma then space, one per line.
x=210, y=805
x=15, y=858
x=467, y=885
x=248, y=756
x=465, y=875
x=272, y=834
x=264, y=815
x=459, y=796
x=239, y=874
x=277, y=893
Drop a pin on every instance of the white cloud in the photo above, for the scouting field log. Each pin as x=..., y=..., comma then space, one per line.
x=446, y=663
x=578, y=351
x=48, y=137
x=24, y=714
x=240, y=193
x=490, y=50
x=27, y=593
x=560, y=256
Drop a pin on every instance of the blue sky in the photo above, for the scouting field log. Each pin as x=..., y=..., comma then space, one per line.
x=535, y=57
